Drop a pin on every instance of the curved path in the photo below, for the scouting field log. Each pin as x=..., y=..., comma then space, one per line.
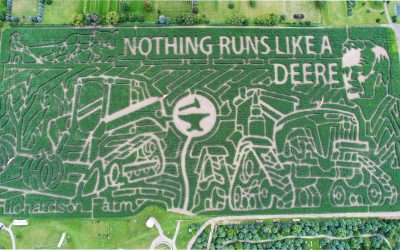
x=213, y=221
x=10, y=232
x=162, y=239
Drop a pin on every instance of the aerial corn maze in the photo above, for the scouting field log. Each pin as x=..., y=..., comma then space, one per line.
x=102, y=122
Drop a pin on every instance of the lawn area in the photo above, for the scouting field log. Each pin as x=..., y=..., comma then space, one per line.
x=25, y=8
x=5, y=240
x=334, y=13
x=102, y=7
x=57, y=13
x=312, y=244
x=102, y=233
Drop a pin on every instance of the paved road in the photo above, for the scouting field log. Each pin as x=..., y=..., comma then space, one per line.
x=162, y=239
x=10, y=232
x=213, y=221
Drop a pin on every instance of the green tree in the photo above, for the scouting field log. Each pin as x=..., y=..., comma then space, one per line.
x=112, y=17
x=147, y=5
x=124, y=6
x=77, y=19
x=231, y=5
x=92, y=18
x=252, y=3
x=394, y=19
x=342, y=232
x=320, y=4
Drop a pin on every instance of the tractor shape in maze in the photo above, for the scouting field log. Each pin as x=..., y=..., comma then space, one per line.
x=324, y=144
x=308, y=147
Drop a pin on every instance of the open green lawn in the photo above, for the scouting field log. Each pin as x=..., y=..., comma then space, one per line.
x=335, y=14
x=312, y=244
x=58, y=13
x=101, y=7
x=25, y=8
x=102, y=233
x=5, y=241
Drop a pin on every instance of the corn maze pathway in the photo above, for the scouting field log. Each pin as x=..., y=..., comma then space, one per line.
x=102, y=122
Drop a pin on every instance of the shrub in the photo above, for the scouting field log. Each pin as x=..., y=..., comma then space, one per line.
x=187, y=19
x=252, y=3
x=269, y=19
x=394, y=18
x=238, y=20
x=136, y=18
x=77, y=19
x=147, y=5
x=231, y=5
x=124, y=6
x=195, y=10
x=3, y=16
x=320, y=4
x=92, y=18
x=378, y=20
x=112, y=17
x=123, y=18
x=163, y=20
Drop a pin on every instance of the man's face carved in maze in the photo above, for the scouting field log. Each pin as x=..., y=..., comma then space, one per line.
x=366, y=67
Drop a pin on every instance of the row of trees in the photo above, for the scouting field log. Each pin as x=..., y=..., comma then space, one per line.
x=240, y=236
x=194, y=18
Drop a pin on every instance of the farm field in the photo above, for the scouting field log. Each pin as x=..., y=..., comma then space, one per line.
x=105, y=122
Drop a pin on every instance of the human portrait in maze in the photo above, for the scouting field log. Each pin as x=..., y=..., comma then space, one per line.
x=104, y=122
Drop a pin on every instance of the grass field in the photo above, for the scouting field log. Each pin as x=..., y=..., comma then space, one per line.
x=5, y=241
x=58, y=13
x=25, y=8
x=101, y=7
x=103, y=233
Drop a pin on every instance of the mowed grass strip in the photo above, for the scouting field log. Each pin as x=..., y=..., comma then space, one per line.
x=24, y=8
x=101, y=7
